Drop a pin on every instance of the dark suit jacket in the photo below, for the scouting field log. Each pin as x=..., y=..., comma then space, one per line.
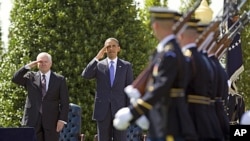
x=55, y=104
x=105, y=94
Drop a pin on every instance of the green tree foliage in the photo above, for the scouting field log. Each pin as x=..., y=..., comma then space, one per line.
x=1, y=43
x=72, y=31
x=11, y=96
x=243, y=82
x=149, y=3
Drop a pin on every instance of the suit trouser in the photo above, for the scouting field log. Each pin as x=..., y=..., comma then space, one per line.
x=45, y=134
x=106, y=131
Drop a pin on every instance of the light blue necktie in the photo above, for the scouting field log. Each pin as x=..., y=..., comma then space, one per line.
x=112, y=72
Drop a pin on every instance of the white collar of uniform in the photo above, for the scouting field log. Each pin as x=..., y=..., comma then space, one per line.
x=187, y=46
x=162, y=43
x=204, y=51
x=210, y=55
x=47, y=74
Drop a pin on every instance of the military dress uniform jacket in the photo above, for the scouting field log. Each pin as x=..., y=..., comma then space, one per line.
x=221, y=94
x=213, y=87
x=164, y=101
x=198, y=92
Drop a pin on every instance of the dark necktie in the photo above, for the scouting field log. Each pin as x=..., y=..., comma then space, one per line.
x=112, y=72
x=43, y=85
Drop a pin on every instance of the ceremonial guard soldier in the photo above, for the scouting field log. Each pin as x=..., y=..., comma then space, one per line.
x=164, y=102
x=201, y=86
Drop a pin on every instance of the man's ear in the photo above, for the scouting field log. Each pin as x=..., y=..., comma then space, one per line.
x=119, y=48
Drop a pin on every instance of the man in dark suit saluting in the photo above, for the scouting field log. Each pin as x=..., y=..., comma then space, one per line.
x=47, y=103
x=112, y=76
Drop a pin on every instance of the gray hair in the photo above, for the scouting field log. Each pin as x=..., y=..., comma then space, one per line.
x=44, y=54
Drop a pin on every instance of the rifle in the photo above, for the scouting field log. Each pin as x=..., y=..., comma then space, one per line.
x=210, y=37
x=180, y=24
x=213, y=26
x=211, y=33
x=231, y=6
x=228, y=37
x=141, y=81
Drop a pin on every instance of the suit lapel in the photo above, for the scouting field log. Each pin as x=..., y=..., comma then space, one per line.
x=37, y=80
x=118, y=70
x=52, y=80
x=106, y=70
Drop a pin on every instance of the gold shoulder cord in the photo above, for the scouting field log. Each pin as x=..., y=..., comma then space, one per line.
x=169, y=138
x=187, y=53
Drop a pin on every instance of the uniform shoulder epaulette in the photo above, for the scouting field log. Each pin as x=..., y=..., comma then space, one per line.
x=187, y=53
x=168, y=47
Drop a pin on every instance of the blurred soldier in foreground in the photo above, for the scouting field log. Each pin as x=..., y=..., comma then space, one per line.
x=164, y=102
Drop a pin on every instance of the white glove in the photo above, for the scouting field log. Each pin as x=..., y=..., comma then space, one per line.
x=245, y=119
x=132, y=93
x=122, y=119
x=143, y=122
